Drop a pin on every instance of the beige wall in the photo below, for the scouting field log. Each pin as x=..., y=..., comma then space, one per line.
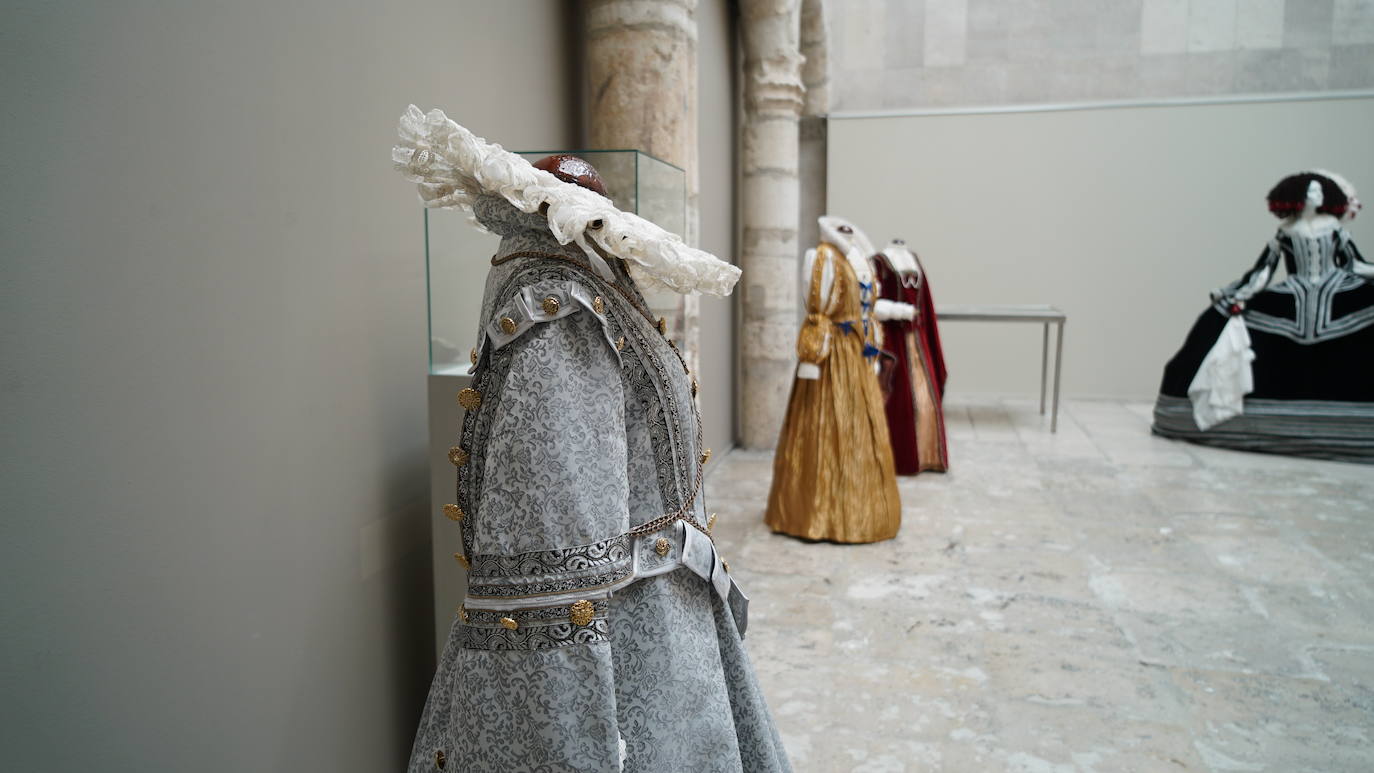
x=716, y=67
x=1125, y=218
x=216, y=510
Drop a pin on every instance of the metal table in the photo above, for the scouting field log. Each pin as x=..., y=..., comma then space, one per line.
x=1046, y=315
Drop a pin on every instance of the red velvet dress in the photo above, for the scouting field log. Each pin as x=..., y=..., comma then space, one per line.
x=916, y=390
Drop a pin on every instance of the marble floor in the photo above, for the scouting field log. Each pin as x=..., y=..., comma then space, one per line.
x=1094, y=600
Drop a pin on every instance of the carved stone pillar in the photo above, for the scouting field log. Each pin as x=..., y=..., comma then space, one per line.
x=773, y=95
x=816, y=68
x=642, y=82
x=814, y=148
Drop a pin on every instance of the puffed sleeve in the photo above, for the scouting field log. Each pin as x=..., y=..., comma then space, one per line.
x=1348, y=256
x=1254, y=280
x=554, y=462
x=813, y=342
x=527, y=680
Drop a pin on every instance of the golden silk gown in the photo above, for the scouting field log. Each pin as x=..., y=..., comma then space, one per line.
x=833, y=475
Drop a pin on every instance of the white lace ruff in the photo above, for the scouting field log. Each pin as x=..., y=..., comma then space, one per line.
x=452, y=167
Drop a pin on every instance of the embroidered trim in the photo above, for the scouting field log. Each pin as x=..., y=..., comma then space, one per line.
x=553, y=561
x=476, y=429
x=534, y=616
x=539, y=628
x=535, y=638
x=536, y=589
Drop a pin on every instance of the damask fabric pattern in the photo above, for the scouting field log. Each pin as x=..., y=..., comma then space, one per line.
x=1311, y=335
x=580, y=647
x=563, y=417
x=674, y=720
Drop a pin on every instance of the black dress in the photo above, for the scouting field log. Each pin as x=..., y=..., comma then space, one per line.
x=1312, y=335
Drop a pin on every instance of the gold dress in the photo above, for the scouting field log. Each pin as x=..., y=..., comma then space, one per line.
x=833, y=475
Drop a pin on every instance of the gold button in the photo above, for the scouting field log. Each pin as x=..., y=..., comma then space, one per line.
x=462, y=561
x=462, y=613
x=598, y=305
x=710, y=523
x=620, y=344
x=661, y=546
x=551, y=305
x=725, y=565
x=469, y=398
x=508, y=325
x=662, y=326
x=440, y=759
x=457, y=456
x=581, y=612
x=509, y=624
x=706, y=456
x=454, y=512
x=694, y=386
x=472, y=355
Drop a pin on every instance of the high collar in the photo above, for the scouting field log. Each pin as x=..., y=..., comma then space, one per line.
x=529, y=231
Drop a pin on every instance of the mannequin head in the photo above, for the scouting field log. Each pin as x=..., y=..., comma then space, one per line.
x=1306, y=195
x=500, y=216
x=901, y=258
x=846, y=236
x=571, y=169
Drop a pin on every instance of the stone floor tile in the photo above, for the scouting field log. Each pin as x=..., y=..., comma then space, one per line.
x=1096, y=599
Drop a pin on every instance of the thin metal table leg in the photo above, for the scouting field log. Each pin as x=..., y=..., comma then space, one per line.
x=1058, y=367
x=1044, y=365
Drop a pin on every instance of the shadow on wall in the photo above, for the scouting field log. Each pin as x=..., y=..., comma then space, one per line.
x=403, y=653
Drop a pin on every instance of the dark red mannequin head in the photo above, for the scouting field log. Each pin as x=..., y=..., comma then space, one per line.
x=571, y=169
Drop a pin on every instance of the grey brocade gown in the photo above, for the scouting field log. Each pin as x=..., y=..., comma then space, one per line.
x=589, y=639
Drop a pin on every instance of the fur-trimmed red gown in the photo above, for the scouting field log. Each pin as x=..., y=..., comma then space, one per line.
x=916, y=390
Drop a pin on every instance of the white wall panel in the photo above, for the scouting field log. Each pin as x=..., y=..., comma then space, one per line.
x=1123, y=217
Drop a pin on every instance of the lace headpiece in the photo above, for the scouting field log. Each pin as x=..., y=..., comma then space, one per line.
x=452, y=167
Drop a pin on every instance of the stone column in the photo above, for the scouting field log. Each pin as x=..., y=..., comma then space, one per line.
x=642, y=82
x=816, y=67
x=812, y=166
x=773, y=95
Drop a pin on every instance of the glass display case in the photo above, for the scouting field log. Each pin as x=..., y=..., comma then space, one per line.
x=457, y=254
